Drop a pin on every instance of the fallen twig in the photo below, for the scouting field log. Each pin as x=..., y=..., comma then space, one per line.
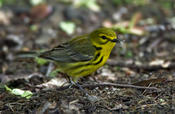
x=110, y=84
x=140, y=67
x=118, y=85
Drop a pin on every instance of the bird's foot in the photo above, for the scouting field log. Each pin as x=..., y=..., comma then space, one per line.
x=89, y=97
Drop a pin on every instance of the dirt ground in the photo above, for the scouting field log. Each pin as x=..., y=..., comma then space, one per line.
x=138, y=78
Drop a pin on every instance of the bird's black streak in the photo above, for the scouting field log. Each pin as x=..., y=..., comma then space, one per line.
x=98, y=48
x=87, y=64
x=98, y=62
x=96, y=56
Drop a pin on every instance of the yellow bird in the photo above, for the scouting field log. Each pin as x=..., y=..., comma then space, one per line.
x=84, y=54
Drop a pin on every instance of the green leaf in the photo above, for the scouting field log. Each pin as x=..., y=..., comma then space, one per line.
x=91, y=4
x=41, y=61
x=26, y=94
x=36, y=2
x=7, y=88
x=34, y=28
x=1, y=2
x=129, y=54
x=68, y=27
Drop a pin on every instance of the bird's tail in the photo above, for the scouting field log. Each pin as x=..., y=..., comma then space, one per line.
x=29, y=54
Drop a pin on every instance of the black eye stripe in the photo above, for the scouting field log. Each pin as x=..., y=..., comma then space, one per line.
x=104, y=37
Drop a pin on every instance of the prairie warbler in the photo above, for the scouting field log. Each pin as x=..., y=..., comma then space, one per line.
x=82, y=55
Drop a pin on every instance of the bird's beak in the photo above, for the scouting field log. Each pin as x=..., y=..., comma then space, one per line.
x=115, y=40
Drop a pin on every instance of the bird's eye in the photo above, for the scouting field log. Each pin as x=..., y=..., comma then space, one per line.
x=104, y=37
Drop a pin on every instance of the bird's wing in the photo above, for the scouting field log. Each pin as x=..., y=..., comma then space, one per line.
x=76, y=50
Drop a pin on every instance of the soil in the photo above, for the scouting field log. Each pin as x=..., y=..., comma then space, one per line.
x=146, y=61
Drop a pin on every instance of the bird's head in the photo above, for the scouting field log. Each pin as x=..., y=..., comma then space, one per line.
x=103, y=37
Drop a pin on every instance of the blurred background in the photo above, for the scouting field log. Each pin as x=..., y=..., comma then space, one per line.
x=146, y=51
x=145, y=27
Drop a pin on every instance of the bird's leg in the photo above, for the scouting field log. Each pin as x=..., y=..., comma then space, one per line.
x=71, y=82
x=78, y=85
x=89, y=97
x=50, y=68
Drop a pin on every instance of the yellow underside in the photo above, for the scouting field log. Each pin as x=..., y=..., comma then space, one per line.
x=81, y=69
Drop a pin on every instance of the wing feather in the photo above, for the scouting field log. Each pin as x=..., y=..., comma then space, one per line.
x=76, y=50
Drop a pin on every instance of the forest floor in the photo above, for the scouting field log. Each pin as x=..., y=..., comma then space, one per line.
x=139, y=76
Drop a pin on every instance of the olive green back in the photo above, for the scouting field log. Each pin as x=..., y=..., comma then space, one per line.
x=76, y=50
